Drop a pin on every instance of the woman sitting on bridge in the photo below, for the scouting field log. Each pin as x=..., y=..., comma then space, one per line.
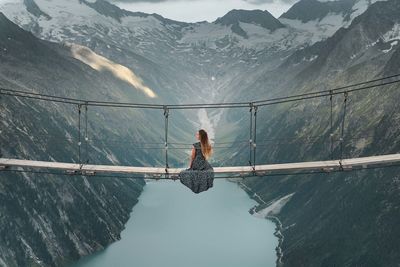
x=200, y=175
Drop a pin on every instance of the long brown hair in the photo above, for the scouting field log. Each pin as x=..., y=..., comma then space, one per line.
x=206, y=148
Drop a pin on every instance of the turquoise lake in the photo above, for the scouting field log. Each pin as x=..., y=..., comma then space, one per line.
x=173, y=227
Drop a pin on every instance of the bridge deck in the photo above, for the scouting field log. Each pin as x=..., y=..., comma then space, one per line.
x=300, y=166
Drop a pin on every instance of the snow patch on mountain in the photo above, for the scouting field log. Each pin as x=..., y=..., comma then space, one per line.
x=221, y=37
x=75, y=18
x=392, y=37
x=361, y=6
x=320, y=29
x=317, y=30
x=17, y=14
x=274, y=208
x=393, y=44
x=204, y=33
x=138, y=24
x=393, y=34
x=259, y=38
x=78, y=22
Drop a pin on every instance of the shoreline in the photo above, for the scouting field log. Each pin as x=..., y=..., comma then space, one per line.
x=280, y=236
x=272, y=218
x=252, y=240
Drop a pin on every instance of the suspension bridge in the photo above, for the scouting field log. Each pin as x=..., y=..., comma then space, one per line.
x=83, y=168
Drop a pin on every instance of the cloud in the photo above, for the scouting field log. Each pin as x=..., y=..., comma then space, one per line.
x=148, y=1
x=100, y=63
x=201, y=10
x=139, y=1
x=261, y=2
x=254, y=2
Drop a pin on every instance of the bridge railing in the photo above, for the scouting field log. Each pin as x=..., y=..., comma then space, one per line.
x=336, y=134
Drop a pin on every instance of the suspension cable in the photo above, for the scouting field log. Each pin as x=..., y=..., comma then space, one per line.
x=251, y=134
x=86, y=134
x=272, y=101
x=255, y=138
x=331, y=131
x=343, y=121
x=166, y=109
x=79, y=134
x=166, y=116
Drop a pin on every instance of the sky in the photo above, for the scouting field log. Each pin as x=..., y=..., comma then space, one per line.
x=200, y=10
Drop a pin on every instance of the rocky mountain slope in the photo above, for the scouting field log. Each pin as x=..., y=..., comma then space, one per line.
x=47, y=219
x=350, y=218
x=344, y=219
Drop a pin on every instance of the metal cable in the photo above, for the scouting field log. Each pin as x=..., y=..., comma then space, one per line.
x=265, y=102
x=166, y=115
x=251, y=134
x=331, y=134
x=86, y=134
x=79, y=133
x=255, y=137
x=343, y=121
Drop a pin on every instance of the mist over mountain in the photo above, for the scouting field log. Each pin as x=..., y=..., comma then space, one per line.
x=341, y=219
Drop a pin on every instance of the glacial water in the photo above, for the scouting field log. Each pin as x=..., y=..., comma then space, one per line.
x=173, y=227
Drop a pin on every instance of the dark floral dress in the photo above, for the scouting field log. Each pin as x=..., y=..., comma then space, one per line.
x=200, y=176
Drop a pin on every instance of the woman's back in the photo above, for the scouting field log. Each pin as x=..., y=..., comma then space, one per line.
x=199, y=162
x=200, y=176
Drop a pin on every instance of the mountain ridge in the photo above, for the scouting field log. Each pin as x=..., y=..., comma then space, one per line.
x=258, y=17
x=217, y=65
x=40, y=223
x=307, y=10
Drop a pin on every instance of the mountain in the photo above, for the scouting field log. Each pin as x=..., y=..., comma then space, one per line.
x=257, y=17
x=51, y=220
x=33, y=8
x=321, y=19
x=340, y=219
x=309, y=10
x=373, y=36
x=105, y=8
x=348, y=218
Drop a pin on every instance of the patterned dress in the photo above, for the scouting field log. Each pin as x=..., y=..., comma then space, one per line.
x=200, y=176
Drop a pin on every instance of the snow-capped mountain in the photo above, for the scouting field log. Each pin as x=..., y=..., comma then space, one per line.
x=337, y=219
x=374, y=35
x=319, y=20
x=243, y=56
x=263, y=19
x=236, y=41
x=307, y=22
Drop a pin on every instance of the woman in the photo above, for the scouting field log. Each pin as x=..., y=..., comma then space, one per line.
x=200, y=175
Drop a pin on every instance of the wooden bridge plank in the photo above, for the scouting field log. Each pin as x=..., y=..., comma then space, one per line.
x=299, y=166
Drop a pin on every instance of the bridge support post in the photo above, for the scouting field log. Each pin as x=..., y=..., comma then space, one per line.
x=251, y=134
x=86, y=134
x=346, y=94
x=255, y=138
x=331, y=130
x=79, y=133
x=166, y=117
